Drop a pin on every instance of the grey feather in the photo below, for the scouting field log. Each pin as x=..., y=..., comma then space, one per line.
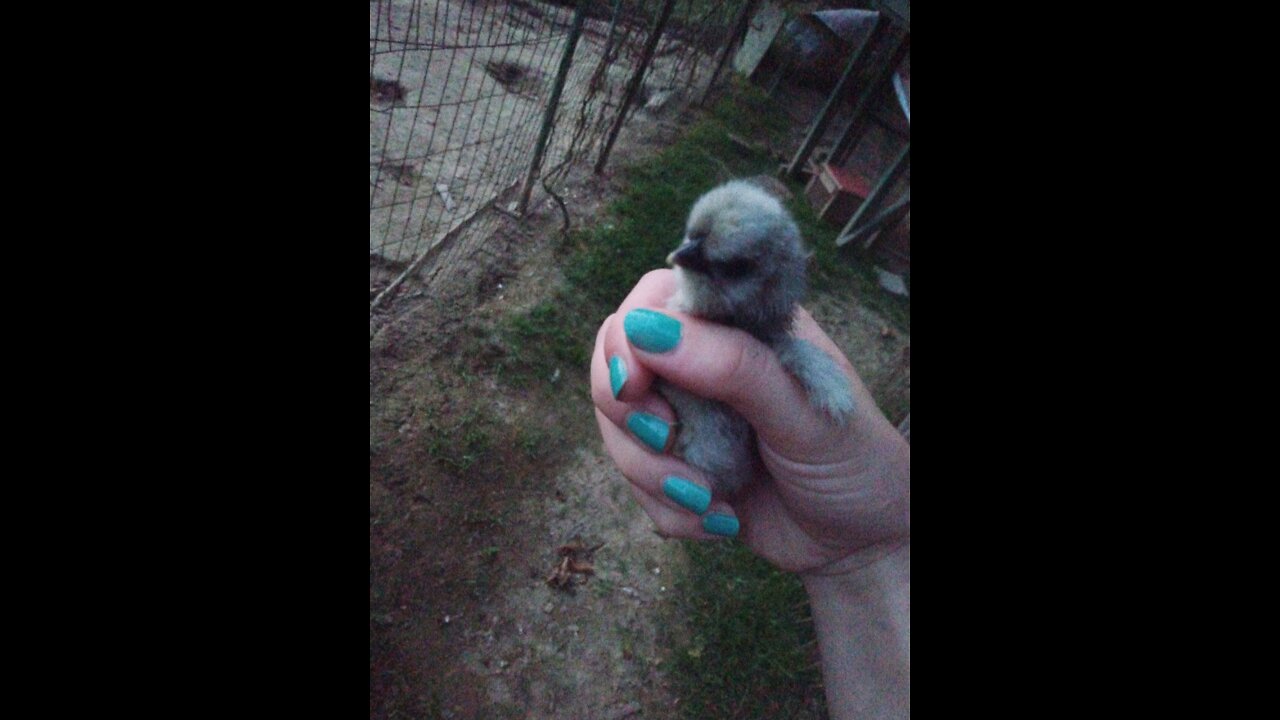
x=742, y=263
x=819, y=375
x=712, y=437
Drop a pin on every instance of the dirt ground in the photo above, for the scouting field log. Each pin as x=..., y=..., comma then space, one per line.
x=463, y=623
x=474, y=488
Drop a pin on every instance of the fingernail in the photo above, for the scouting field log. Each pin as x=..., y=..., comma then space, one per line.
x=617, y=375
x=651, y=429
x=720, y=524
x=688, y=495
x=651, y=331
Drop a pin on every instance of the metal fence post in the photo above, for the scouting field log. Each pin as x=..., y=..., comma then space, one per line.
x=862, y=106
x=876, y=198
x=633, y=86
x=740, y=27
x=549, y=117
x=833, y=101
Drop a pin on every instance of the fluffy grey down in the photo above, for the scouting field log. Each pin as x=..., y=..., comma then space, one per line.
x=742, y=263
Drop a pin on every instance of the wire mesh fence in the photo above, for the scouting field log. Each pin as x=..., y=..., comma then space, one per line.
x=459, y=94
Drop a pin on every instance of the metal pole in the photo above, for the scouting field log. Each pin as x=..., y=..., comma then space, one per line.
x=780, y=72
x=609, y=50
x=891, y=214
x=633, y=86
x=833, y=102
x=549, y=117
x=877, y=195
x=740, y=27
x=858, y=121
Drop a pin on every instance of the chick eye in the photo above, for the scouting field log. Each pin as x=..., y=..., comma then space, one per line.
x=698, y=236
x=734, y=269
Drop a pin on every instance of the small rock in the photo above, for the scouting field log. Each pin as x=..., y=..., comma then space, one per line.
x=443, y=191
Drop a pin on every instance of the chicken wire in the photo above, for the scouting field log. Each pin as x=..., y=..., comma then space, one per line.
x=458, y=91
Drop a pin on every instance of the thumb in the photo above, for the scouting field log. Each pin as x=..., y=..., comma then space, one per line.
x=730, y=365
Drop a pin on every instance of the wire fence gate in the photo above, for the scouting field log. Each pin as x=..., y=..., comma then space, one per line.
x=475, y=105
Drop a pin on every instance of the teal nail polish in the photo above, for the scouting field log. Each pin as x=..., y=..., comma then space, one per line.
x=617, y=374
x=687, y=495
x=651, y=429
x=719, y=524
x=651, y=331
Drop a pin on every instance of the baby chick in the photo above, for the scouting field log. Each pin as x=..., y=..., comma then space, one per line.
x=742, y=263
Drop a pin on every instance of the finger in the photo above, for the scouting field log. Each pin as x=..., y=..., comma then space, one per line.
x=665, y=482
x=628, y=379
x=682, y=525
x=726, y=364
x=643, y=468
x=649, y=419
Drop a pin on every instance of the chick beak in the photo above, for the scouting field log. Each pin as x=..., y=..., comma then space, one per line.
x=689, y=255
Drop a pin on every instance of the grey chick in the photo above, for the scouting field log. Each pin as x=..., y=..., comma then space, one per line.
x=742, y=263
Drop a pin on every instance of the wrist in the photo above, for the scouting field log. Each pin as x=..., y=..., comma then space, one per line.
x=862, y=617
x=860, y=567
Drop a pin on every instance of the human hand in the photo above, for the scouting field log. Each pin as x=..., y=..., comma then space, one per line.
x=828, y=497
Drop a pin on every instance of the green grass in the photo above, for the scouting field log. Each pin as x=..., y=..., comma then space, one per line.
x=462, y=444
x=745, y=647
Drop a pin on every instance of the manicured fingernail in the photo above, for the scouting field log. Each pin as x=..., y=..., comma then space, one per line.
x=720, y=524
x=651, y=331
x=651, y=429
x=687, y=495
x=617, y=374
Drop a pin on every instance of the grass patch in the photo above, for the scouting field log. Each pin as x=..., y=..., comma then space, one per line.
x=841, y=269
x=462, y=444
x=745, y=648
